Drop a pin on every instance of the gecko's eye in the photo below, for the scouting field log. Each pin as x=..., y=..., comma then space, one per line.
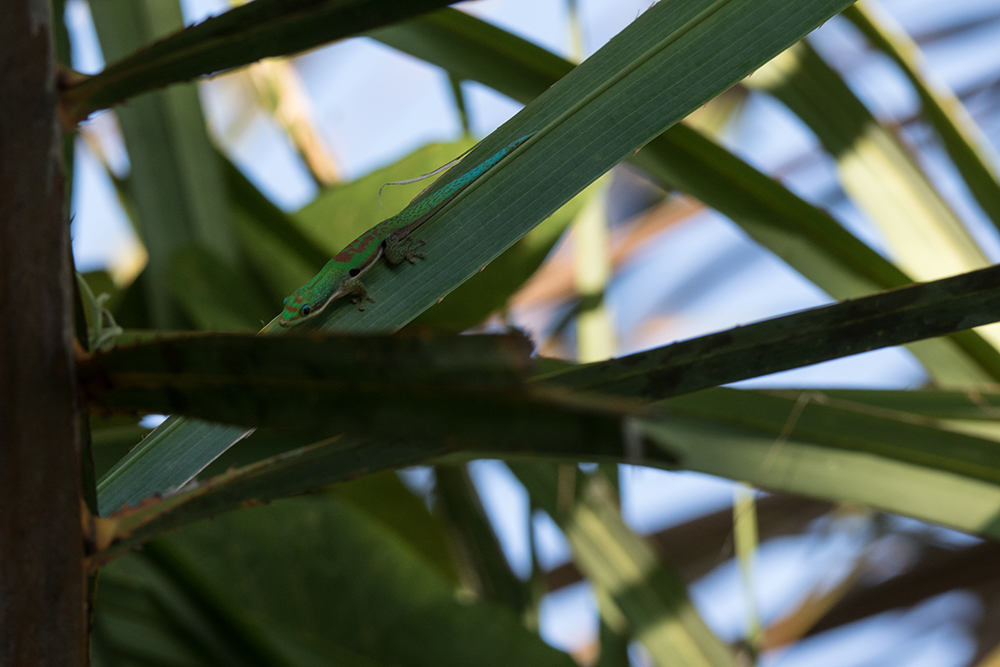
x=306, y=309
x=354, y=273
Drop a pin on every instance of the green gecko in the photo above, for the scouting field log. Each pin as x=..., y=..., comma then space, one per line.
x=390, y=238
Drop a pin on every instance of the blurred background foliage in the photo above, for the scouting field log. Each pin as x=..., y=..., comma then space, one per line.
x=845, y=166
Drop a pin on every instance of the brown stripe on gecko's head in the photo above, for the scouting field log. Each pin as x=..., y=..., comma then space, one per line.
x=298, y=307
x=307, y=302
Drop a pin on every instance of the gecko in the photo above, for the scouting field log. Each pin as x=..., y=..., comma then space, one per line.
x=390, y=239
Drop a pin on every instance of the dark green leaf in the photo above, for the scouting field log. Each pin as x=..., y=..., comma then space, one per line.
x=820, y=334
x=309, y=383
x=358, y=595
x=214, y=295
x=238, y=37
x=798, y=443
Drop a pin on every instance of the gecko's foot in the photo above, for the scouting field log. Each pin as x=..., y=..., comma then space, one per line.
x=411, y=253
x=361, y=305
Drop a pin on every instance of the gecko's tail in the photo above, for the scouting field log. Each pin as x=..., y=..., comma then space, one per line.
x=420, y=178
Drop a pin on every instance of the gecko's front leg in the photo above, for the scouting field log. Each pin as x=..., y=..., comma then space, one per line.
x=358, y=292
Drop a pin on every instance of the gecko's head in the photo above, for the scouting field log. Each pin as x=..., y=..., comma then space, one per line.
x=309, y=301
x=299, y=307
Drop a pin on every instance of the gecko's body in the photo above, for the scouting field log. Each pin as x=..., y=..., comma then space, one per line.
x=390, y=238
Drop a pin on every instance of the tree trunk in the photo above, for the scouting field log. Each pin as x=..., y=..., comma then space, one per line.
x=42, y=603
